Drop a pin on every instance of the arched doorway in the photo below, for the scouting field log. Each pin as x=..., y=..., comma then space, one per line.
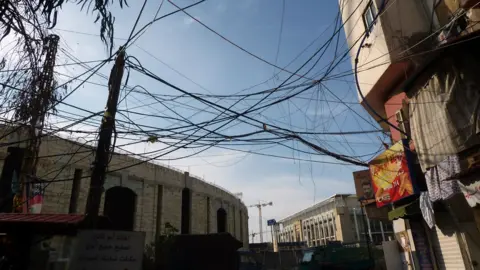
x=221, y=220
x=186, y=206
x=119, y=207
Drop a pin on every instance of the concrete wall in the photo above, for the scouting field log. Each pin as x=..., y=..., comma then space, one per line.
x=380, y=67
x=158, y=190
x=393, y=105
x=344, y=225
x=354, y=29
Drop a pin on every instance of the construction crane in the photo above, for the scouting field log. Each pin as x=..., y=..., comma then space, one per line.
x=253, y=236
x=259, y=206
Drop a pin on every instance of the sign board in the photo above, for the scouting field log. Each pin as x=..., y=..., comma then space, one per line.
x=391, y=177
x=271, y=222
x=363, y=185
x=108, y=250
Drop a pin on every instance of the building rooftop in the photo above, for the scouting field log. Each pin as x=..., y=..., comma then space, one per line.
x=316, y=206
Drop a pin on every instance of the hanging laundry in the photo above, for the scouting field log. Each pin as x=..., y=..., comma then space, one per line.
x=427, y=209
x=471, y=193
x=440, y=179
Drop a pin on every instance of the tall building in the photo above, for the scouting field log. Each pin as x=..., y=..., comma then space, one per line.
x=383, y=60
x=338, y=218
x=415, y=64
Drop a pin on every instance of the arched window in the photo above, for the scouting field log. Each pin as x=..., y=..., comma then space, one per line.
x=119, y=207
x=186, y=206
x=221, y=220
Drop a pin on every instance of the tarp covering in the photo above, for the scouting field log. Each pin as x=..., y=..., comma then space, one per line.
x=444, y=114
x=404, y=210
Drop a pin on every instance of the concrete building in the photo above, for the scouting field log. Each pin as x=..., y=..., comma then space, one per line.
x=416, y=67
x=143, y=197
x=338, y=218
x=383, y=60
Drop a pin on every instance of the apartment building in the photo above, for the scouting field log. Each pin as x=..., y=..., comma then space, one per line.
x=337, y=218
x=416, y=65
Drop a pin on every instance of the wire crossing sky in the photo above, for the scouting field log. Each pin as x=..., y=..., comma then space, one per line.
x=258, y=97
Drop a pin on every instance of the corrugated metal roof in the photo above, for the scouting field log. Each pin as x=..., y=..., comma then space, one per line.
x=42, y=218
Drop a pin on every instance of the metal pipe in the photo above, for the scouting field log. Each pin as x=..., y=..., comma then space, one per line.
x=367, y=237
x=260, y=222
x=356, y=223
x=369, y=228
x=383, y=233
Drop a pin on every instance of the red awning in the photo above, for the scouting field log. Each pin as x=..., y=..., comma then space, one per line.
x=41, y=218
x=48, y=224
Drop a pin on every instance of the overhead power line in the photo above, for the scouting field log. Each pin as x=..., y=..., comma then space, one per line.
x=234, y=44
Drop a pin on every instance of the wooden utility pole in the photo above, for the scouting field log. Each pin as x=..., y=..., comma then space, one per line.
x=102, y=154
x=42, y=91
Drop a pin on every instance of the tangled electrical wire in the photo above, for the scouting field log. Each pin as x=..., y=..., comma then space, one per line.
x=303, y=113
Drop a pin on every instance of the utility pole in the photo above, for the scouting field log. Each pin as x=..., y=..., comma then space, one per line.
x=259, y=206
x=42, y=91
x=367, y=235
x=102, y=153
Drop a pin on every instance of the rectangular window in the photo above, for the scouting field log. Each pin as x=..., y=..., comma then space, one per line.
x=368, y=17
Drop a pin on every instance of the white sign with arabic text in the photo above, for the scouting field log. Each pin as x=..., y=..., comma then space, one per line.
x=108, y=250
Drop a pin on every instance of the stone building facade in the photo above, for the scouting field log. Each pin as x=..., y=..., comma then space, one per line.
x=141, y=195
x=338, y=218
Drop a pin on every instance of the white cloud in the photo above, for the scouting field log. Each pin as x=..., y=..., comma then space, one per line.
x=189, y=20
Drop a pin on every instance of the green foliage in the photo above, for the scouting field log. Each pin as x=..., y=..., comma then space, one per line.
x=18, y=16
x=152, y=139
x=27, y=87
x=160, y=242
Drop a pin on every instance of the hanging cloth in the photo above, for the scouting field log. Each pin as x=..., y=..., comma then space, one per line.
x=439, y=180
x=427, y=209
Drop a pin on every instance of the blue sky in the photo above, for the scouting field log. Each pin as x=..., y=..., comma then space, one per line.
x=220, y=68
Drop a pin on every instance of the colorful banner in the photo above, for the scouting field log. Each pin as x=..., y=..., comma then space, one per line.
x=36, y=199
x=391, y=177
x=363, y=185
x=18, y=196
